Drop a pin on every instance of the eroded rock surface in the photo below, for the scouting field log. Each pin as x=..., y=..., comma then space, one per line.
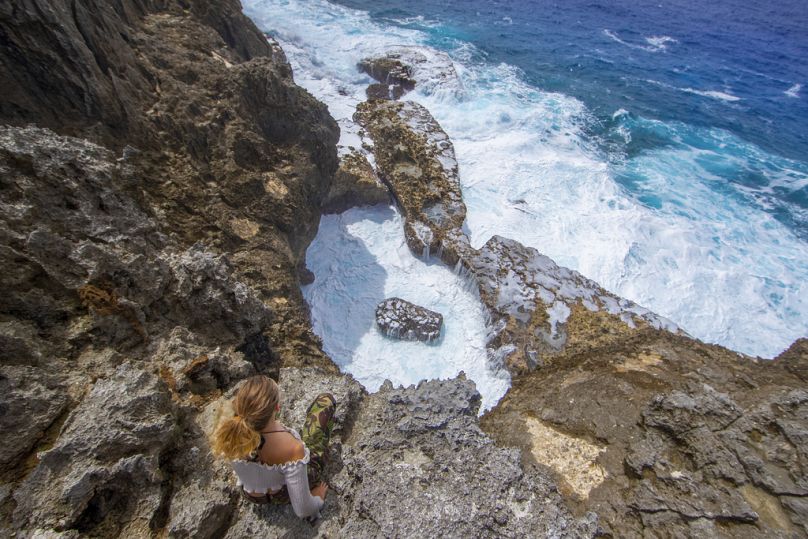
x=154, y=225
x=104, y=468
x=416, y=159
x=153, y=229
x=649, y=428
x=695, y=439
x=401, y=319
x=418, y=453
x=355, y=184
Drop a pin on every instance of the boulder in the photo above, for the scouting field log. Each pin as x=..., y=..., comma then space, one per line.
x=401, y=319
x=400, y=69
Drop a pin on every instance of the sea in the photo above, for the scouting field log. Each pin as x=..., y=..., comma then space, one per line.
x=659, y=148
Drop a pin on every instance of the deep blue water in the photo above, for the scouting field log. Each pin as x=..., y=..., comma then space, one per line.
x=733, y=65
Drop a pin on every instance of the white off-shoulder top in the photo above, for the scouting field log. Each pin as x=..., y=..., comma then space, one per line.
x=258, y=477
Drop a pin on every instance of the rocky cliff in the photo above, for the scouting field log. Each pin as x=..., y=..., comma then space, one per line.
x=161, y=176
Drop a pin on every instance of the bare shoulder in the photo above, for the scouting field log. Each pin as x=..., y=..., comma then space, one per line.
x=282, y=448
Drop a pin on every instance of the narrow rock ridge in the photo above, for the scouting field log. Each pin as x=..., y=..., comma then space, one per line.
x=647, y=427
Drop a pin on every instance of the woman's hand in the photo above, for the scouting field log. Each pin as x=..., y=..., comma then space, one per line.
x=320, y=490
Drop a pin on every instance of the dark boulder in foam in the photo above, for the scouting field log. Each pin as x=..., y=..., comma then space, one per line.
x=404, y=320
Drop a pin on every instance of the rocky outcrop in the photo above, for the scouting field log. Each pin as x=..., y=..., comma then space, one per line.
x=418, y=452
x=103, y=472
x=535, y=307
x=399, y=69
x=541, y=309
x=693, y=438
x=222, y=147
x=401, y=319
x=153, y=230
x=415, y=158
x=355, y=184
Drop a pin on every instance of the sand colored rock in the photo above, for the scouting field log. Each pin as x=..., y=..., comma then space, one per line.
x=355, y=184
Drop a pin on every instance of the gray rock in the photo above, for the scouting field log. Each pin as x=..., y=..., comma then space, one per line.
x=103, y=472
x=201, y=511
x=400, y=69
x=419, y=452
x=401, y=319
x=31, y=399
x=414, y=463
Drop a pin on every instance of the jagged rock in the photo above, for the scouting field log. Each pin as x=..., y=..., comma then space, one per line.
x=384, y=91
x=201, y=511
x=696, y=438
x=355, y=184
x=401, y=319
x=400, y=69
x=31, y=399
x=425, y=439
x=390, y=71
x=422, y=440
x=546, y=308
x=103, y=471
x=416, y=159
x=795, y=358
x=536, y=307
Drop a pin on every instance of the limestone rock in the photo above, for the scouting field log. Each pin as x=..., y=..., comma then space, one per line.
x=422, y=440
x=401, y=319
x=103, y=471
x=425, y=440
x=390, y=71
x=416, y=159
x=694, y=438
x=201, y=511
x=31, y=399
x=355, y=184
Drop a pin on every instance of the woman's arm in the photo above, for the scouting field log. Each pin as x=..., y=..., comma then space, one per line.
x=303, y=502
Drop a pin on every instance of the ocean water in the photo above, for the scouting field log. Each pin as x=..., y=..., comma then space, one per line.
x=658, y=149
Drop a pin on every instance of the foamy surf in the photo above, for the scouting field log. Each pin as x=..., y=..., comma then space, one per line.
x=653, y=43
x=662, y=228
x=794, y=91
x=360, y=258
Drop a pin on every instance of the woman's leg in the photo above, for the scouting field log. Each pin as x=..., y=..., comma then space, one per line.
x=317, y=433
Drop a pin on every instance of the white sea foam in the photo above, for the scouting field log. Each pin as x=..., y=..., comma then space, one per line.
x=794, y=91
x=360, y=258
x=653, y=43
x=715, y=94
x=702, y=255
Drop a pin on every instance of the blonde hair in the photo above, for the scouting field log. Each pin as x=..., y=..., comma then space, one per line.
x=254, y=404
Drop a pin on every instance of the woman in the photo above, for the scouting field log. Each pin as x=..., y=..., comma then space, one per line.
x=273, y=463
